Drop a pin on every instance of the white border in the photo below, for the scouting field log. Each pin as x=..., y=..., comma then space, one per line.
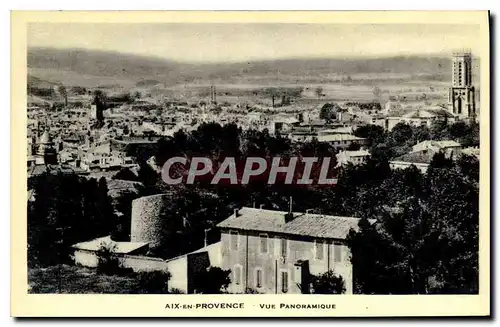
x=190, y=4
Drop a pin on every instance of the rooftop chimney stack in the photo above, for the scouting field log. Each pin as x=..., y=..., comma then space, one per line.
x=289, y=214
x=236, y=212
x=206, y=237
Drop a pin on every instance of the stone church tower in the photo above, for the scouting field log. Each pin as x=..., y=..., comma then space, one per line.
x=461, y=97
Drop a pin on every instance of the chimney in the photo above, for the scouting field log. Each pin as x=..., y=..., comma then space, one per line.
x=206, y=237
x=261, y=206
x=236, y=212
x=309, y=210
x=289, y=215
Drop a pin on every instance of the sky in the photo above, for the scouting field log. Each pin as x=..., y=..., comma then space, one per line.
x=204, y=42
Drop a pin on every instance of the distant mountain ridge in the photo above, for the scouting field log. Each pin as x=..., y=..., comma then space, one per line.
x=137, y=68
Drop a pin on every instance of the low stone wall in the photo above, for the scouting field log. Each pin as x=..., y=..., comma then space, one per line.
x=177, y=266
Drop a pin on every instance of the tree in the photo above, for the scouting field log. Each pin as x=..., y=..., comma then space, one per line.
x=401, y=133
x=126, y=130
x=67, y=210
x=64, y=94
x=425, y=239
x=458, y=130
x=107, y=261
x=374, y=133
x=439, y=130
x=328, y=283
x=421, y=133
x=319, y=92
x=213, y=280
x=100, y=102
x=354, y=146
x=328, y=111
x=78, y=90
x=153, y=282
x=469, y=167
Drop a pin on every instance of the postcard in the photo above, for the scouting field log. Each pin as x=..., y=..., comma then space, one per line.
x=250, y=164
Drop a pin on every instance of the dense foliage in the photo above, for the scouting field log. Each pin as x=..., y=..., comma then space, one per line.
x=399, y=140
x=213, y=280
x=67, y=209
x=153, y=282
x=328, y=283
x=425, y=239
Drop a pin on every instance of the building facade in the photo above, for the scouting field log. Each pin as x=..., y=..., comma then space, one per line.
x=421, y=117
x=354, y=157
x=277, y=252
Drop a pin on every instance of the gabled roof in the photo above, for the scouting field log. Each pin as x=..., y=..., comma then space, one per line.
x=338, y=137
x=443, y=144
x=447, y=143
x=357, y=153
x=423, y=156
x=304, y=224
x=428, y=113
x=117, y=247
x=339, y=130
x=37, y=170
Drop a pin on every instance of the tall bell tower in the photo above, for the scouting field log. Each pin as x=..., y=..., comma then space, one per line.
x=461, y=96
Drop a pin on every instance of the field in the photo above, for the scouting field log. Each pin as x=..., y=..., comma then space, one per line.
x=67, y=279
x=72, y=78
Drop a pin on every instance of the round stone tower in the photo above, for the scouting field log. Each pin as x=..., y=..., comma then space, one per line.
x=148, y=216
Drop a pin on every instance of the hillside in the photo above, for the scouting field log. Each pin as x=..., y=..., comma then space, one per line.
x=78, y=67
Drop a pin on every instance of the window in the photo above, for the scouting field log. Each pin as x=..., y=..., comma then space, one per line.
x=258, y=278
x=284, y=281
x=263, y=243
x=337, y=252
x=237, y=274
x=234, y=240
x=284, y=247
x=320, y=249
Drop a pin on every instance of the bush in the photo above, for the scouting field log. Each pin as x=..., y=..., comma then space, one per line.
x=214, y=280
x=251, y=291
x=176, y=291
x=328, y=283
x=153, y=282
x=108, y=262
